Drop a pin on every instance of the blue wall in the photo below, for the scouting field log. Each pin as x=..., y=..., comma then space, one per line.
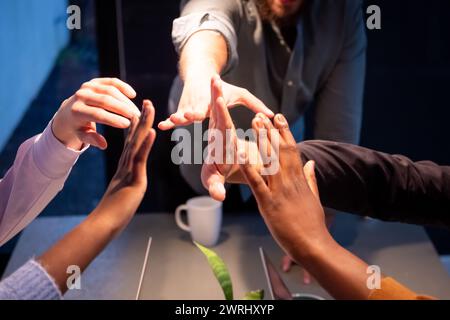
x=33, y=32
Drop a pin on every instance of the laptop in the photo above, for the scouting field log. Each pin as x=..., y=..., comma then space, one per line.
x=277, y=287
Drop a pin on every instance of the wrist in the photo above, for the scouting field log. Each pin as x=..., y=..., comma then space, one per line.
x=65, y=134
x=316, y=250
x=103, y=223
x=200, y=72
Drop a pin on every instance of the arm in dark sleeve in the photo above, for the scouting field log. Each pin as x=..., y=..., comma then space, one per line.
x=375, y=184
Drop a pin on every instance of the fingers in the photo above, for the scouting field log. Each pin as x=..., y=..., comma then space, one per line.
x=107, y=102
x=123, y=87
x=306, y=277
x=145, y=125
x=132, y=130
x=166, y=125
x=196, y=115
x=139, y=140
x=213, y=181
x=129, y=107
x=255, y=181
x=286, y=263
x=289, y=155
x=150, y=115
x=264, y=146
x=254, y=104
x=310, y=176
x=282, y=125
x=85, y=113
x=222, y=113
x=143, y=154
x=272, y=133
x=90, y=136
x=175, y=120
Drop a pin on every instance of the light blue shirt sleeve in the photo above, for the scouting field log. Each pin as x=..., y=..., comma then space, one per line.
x=29, y=282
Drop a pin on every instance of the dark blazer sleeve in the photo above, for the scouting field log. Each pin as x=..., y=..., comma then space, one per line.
x=375, y=184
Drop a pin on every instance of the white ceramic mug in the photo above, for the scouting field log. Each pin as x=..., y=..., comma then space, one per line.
x=204, y=216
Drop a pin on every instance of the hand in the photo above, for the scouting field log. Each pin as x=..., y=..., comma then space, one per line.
x=124, y=194
x=128, y=186
x=215, y=170
x=103, y=101
x=195, y=102
x=288, y=201
x=221, y=164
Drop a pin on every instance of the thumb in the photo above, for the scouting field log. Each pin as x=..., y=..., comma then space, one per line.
x=92, y=137
x=310, y=176
x=254, y=104
x=213, y=181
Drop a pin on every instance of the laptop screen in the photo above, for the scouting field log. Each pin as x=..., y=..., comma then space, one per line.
x=277, y=287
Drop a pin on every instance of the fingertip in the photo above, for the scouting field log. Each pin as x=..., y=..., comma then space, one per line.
x=309, y=166
x=242, y=157
x=177, y=118
x=131, y=93
x=270, y=113
x=261, y=116
x=165, y=125
x=217, y=191
x=152, y=134
x=126, y=123
x=216, y=78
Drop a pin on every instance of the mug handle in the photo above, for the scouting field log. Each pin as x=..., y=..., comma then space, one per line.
x=179, y=221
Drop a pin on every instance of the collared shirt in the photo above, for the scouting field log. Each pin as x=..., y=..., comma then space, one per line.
x=279, y=51
x=326, y=69
x=40, y=169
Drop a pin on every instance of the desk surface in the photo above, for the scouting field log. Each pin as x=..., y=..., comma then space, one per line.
x=177, y=270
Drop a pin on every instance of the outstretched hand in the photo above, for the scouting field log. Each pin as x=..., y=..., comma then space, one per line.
x=196, y=103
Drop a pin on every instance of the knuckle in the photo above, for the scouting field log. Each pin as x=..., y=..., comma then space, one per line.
x=80, y=94
x=115, y=81
x=86, y=85
x=287, y=147
x=76, y=109
x=104, y=100
x=99, y=115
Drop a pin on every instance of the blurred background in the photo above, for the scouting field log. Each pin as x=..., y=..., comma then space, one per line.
x=42, y=63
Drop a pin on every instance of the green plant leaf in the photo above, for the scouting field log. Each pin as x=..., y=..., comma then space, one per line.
x=219, y=269
x=254, y=295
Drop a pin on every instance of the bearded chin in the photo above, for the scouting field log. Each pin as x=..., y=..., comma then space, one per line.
x=265, y=10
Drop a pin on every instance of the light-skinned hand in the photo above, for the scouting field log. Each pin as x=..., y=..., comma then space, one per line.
x=195, y=102
x=99, y=101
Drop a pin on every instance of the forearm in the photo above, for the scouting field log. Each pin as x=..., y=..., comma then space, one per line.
x=337, y=270
x=366, y=182
x=39, y=171
x=204, y=55
x=389, y=187
x=79, y=247
x=345, y=276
